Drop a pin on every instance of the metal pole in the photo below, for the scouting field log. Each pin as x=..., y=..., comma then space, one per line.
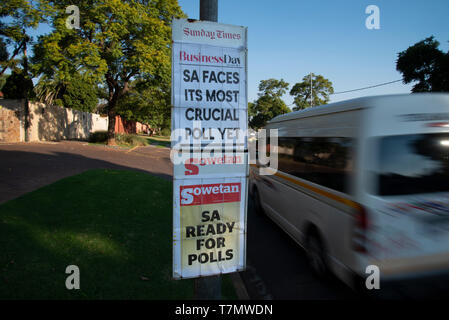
x=209, y=10
x=208, y=288
x=311, y=91
x=27, y=101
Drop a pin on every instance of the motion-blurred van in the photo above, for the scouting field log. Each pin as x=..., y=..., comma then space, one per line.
x=363, y=182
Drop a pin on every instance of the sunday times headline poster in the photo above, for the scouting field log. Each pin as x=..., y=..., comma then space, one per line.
x=209, y=83
x=209, y=94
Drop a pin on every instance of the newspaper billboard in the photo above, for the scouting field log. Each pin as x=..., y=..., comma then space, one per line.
x=209, y=124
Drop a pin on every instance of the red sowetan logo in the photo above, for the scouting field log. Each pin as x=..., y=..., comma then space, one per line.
x=210, y=193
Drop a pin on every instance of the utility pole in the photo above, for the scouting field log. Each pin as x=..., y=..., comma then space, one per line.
x=27, y=101
x=311, y=91
x=208, y=288
x=209, y=10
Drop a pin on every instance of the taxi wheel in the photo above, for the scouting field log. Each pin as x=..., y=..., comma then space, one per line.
x=316, y=255
x=256, y=202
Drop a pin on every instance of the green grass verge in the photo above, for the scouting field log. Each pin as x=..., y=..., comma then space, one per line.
x=161, y=138
x=118, y=146
x=116, y=226
x=132, y=140
x=159, y=141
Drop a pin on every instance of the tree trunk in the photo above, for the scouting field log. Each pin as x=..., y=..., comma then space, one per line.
x=111, y=128
x=113, y=98
x=115, y=92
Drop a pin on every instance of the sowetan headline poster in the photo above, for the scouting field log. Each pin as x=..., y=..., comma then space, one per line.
x=209, y=98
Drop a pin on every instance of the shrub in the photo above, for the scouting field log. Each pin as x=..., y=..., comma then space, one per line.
x=99, y=136
x=166, y=132
x=80, y=95
x=130, y=139
x=18, y=86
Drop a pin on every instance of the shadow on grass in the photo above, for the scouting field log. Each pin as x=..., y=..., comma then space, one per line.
x=114, y=225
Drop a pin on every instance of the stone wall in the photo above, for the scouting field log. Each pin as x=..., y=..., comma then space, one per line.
x=47, y=123
x=12, y=121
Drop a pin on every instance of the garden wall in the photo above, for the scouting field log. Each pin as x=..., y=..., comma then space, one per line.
x=47, y=122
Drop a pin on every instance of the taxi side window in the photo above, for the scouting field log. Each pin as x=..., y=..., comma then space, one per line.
x=325, y=161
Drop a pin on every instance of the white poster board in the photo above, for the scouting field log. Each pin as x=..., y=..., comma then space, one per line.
x=209, y=98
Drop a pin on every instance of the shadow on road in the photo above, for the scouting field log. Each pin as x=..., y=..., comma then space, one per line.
x=24, y=171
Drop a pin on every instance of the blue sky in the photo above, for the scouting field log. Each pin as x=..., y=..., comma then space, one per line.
x=291, y=38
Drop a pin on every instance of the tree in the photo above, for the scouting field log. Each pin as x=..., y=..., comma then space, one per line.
x=118, y=42
x=16, y=16
x=2, y=81
x=80, y=95
x=3, y=52
x=269, y=104
x=425, y=63
x=147, y=102
x=75, y=94
x=49, y=91
x=321, y=89
x=18, y=86
x=273, y=87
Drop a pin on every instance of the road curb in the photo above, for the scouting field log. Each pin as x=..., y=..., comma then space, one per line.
x=255, y=286
x=239, y=286
x=132, y=149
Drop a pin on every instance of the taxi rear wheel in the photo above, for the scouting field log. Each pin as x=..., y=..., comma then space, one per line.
x=316, y=255
x=256, y=201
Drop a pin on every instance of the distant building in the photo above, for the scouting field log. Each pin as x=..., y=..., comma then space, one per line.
x=130, y=127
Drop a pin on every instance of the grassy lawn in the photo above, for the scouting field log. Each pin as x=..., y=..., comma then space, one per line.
x=159, y=141
x=116, y=226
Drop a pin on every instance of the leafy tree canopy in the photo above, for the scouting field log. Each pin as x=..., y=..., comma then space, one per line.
x=3, y=52
x=119, y=41
x=273, y=87
x=76, y=94
x=2, y=81
x=18, y=86
x=425, y=64
x=321, y=89
x=147, y=102
x=80, y=95
x=269, y=104
x=16, y=18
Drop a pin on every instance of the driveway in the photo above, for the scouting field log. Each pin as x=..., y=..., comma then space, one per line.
x=25, y=167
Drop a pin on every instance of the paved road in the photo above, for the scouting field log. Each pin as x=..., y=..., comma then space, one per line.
x=27, y=166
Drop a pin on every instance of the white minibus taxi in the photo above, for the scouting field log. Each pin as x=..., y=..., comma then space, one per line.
x=363, y=182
